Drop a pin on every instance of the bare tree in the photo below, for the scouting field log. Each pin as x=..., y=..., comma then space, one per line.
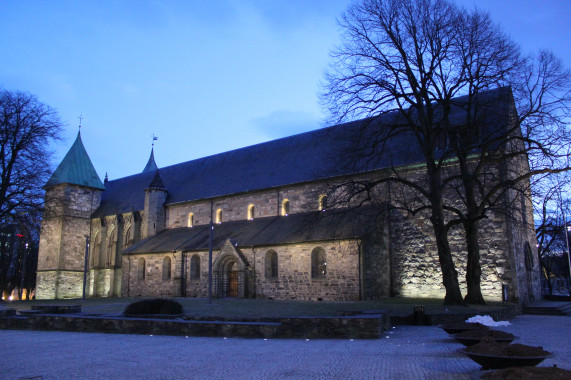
x=551, y=210
x=27, y=129
x=430, y=64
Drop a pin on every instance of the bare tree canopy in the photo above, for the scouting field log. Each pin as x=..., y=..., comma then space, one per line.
x=27, y=129
x=552, y=226
x=416, y=58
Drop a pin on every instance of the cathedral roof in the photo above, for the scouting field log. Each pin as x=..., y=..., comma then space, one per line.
x=151, y=164
x=76, y=168
x=311, y=156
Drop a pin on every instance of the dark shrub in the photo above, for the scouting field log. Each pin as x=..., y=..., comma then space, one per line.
x=154, y=306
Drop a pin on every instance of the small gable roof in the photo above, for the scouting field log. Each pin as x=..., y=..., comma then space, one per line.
x=76, y=168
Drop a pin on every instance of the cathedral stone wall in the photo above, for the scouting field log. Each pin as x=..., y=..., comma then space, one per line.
x=59, y=284
x=235, y=207
x=65, y=227
x=153, y=284
x=294, y=280
x=399, y=259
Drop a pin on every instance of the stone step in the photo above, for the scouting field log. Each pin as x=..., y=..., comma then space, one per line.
x=7, y=312
x=58, y=309
x=562, y=309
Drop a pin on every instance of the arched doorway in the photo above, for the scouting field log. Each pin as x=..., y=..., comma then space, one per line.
x=232, y=280
x=231, y=273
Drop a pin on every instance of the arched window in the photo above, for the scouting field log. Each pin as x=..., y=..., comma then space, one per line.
x=141, y=269
x=166, y=268
x=285, y=207
x=322, y=202
x=318, y=263
x=128, y=238
x=219, y=216
x=111, y=249
x=271, y=264
x=96, y=250
x=195, y=267
x=251, y=210
x=190, y=220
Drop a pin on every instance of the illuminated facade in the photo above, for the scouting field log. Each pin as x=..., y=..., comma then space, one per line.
x=275, y=233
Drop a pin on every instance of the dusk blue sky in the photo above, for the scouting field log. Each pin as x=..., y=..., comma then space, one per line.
x=204, y=76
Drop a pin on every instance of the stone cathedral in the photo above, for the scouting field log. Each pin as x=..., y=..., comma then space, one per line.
x=263, y=214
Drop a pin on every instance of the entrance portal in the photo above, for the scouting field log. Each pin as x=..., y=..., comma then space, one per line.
x=231, y=272
x=232, y=281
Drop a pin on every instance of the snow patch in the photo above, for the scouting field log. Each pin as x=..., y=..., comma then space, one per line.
x=487, y=321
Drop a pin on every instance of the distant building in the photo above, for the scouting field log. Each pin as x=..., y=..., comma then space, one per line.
x=274, y=235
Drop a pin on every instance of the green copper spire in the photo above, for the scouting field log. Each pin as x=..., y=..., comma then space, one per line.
x=76, y=169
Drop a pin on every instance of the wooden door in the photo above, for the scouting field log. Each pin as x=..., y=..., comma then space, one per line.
x=233, y=284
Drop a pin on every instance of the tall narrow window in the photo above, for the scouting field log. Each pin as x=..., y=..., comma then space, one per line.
x=166, y=268
x=318, y=263
x=141, y=269
x=322, y=202
x=219, y=216
x=285, y=207
x=111, y=249
x=128, y=240
x=195, y=267
x=251, y=210
x=191, y=219
x=271, y=264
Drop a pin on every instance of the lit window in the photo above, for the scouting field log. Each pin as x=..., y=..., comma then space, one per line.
x=219, y=216
x=322, y=202
x=285, y=207
x=191, y=220
x=251, y=210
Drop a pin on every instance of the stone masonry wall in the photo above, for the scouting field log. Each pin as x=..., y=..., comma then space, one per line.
x=153, y=285
x=293, y=281
x=266, y=203
x=62, y=242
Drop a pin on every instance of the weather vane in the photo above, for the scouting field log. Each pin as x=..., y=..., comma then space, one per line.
x=80, y=117
x=155, y=138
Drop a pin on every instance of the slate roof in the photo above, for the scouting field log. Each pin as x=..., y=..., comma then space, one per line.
x=76, y=168
x=295, y=228
x=151, y=164
x=291, y=160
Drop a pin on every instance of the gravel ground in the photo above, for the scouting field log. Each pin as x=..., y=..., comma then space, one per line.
x=406, y=352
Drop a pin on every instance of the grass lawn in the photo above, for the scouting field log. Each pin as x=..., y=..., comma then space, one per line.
x=250, y=308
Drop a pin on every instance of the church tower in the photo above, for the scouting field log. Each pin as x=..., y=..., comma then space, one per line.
x=73, y=193
x=154, y=218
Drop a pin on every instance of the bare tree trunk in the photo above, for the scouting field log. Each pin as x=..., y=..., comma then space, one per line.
x=449, y=274
x=473, y=268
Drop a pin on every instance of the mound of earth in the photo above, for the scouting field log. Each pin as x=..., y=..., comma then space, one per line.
x=479, y=334
x=488, y=346
x=528, y=373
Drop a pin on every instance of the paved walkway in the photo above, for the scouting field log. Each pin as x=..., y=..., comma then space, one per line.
x=406, y=352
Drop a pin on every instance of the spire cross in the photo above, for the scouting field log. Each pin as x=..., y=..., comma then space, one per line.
x=80, y=117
